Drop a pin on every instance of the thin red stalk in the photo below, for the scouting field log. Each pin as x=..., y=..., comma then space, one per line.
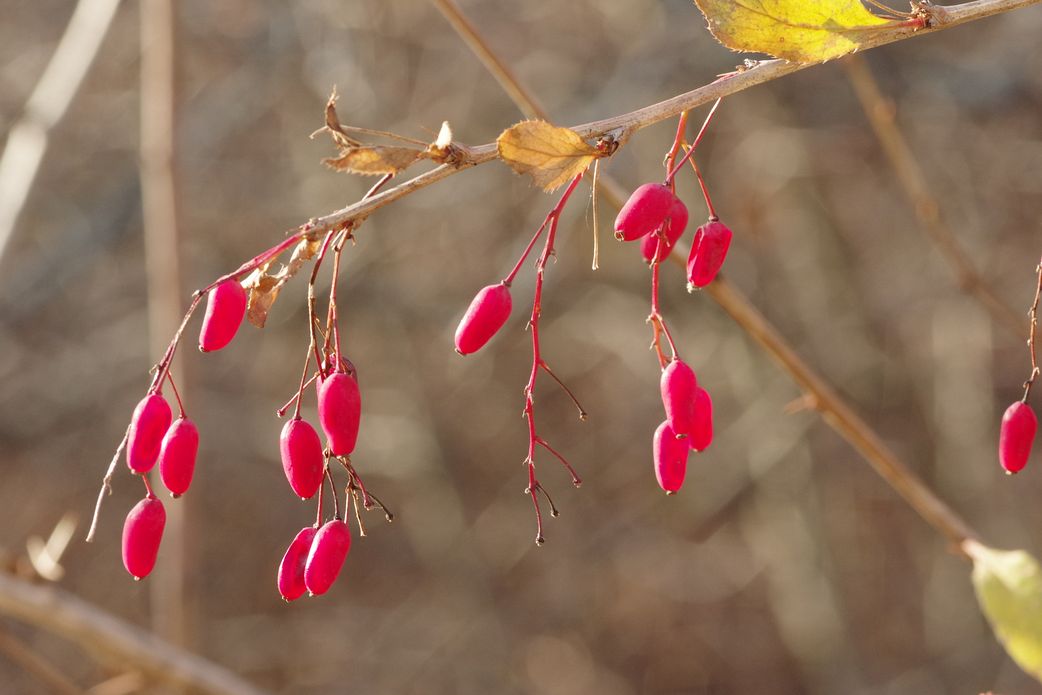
x=148, y=486
x=550, y=223
x=298, y=395
x=528, y=249
x=321, y=496
x=1031, y=336
x=705, y=191
x=582, y=411
x=694, y=145
x=576, y=480
x=177, y=395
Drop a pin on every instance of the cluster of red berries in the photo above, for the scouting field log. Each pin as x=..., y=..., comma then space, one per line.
x=317, y=553
x=151, y=437
x=654, y=215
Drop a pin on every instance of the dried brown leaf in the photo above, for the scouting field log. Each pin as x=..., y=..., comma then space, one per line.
x=264, y=287
x=550, y=155
x=371, y=161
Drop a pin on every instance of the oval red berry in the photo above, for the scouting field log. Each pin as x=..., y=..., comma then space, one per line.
x=644, y=212
x=708, y=252
x=702, y=433
x=225, y=309
x=147, y=426
x=1016, y=436
x=339, y=412
x=142, y=533
x=302, y=458
x=291, y=570
x=177, y=456
x=670, y=457
x=678, y=386
x=326, y=557
x=487, y=313
x=675, y=226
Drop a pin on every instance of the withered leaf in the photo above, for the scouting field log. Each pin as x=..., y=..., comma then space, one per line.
x=263, y=287
x=370, y=161
x=550, y=155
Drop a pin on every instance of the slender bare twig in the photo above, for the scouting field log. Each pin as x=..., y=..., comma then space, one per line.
x=33, y=662
x=1032, y=327
x=622, y=126
x=113, y=641
x=171, y=605
x=836, y=413
x=28, y=139
x=880, y=113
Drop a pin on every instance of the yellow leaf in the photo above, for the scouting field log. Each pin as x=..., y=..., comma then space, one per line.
x=263, y=287
x=550, y=155
x=378, y=159
x=1009, y=590
x=801, y=31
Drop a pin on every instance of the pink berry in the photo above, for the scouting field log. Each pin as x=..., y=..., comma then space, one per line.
x=675, y=227
x=326, y=557
x=142, y=532
x=702, y=433
x=708, y=252
x=486, y=314
x=339, y=412
x=302, y=458
x=225, y=309
x=147, y=426
x=177, y=456
x=645, y=210
x=1016, y=435
x=291, y=569
x=670, y=455
x=678, y=386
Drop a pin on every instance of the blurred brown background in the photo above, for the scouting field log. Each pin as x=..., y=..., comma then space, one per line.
x=784, y=566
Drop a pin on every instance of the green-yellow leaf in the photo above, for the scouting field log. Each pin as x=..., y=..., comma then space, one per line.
x=551, y=155
x=802, y=31
x=1009, y=590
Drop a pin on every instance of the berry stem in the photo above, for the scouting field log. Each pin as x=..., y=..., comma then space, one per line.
x=550, y=224
x=528, y=249
x=295, y=398
x=106, y=486
x=177, y=395
x=694, y=145
x=705, y=191
x=1033, y=323
x=582, y=412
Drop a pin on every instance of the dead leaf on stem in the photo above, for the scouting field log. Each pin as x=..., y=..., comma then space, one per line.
x=550, y=155
x=264, y=287
x=357, y=157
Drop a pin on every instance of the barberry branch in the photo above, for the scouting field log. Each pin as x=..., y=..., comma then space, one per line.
x=833, y=409
x=881, y=115
x=1033, y=322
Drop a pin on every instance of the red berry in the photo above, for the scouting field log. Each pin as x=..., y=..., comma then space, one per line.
x=147, y=426
x=670, y=455
x=225, y=309
x=302, y=458
x=675, y=227
x=678, y=386
x=486, y=314
x=702, y=433
x=291, y=569
x=1016, y=436
x=326, y=557
x=339, y=412
x=708, y=252
x=142, y=532
x=645, y=210
x=177, y=456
